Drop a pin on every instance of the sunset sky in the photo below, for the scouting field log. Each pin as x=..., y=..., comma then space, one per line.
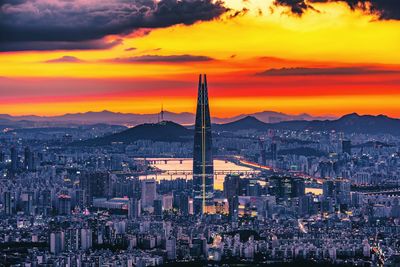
x=294, y=56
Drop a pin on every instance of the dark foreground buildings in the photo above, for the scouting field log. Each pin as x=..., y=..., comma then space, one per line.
x=203, y=169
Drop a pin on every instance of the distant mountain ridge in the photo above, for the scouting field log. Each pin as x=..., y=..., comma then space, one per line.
x=168, y=131
x=351, y=123
x=104, y=116
x=274, y=117
x=165, y=131
x=258, y=121
x=246, y=123
x=184, y=118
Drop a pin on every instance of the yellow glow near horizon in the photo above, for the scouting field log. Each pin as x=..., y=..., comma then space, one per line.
x=224, y=107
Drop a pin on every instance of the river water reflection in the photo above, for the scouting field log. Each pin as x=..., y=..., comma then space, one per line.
x=186, y=164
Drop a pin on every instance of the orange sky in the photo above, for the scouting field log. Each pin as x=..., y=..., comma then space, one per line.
x=331, y=61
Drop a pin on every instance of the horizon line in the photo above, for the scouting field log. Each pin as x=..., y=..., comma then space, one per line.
x=333, y=116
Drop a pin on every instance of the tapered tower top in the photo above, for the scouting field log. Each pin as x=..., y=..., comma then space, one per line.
x=203, y=166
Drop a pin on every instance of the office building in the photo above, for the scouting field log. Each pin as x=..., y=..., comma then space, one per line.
x=158, y=209
x=346, y=146
x=14, y=160
x=57, y=242
x=28, y=159
x=134, y=208
x=96, y=185
x=64, y=204
x=148, y=193
x=170, y=247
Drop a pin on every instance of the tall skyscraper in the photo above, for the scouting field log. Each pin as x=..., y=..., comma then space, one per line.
x=342, y=189
x=9, y=202
x=64, y=204
x=14, y=160
x=274, y=154
x=203, y=168
x=134, y=208
x=28, y=159
x=26, y=202
x=2, y=156
x=170, y=247
x=95, y=184
x=56, y=242
x=231, y=186
x=86, y=238
x=328, y=189
x=158, y=210
x=346, y=146
x=148, y=193
x=262, y=158
x=184, y=203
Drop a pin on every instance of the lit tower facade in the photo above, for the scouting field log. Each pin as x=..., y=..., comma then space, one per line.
x=203, y=168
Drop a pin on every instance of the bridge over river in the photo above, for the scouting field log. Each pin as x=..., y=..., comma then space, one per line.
x=188, y=173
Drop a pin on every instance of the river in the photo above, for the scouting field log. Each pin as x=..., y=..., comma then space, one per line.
x=186, y=164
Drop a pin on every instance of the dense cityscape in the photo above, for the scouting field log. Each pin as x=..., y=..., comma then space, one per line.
x=161, y=194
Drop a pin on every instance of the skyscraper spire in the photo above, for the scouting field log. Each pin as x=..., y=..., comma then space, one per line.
x=203, y=169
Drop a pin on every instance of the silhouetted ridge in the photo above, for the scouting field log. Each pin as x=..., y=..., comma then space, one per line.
x=350, y=123
x=246, y=123
x=166, y=131
x=185, y=118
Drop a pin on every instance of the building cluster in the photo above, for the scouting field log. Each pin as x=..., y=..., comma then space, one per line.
x=82, y=210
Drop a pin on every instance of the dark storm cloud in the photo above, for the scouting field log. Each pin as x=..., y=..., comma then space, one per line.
x=78, y=21
x=239, y=13
x=57, y=45
x=158, y=58
x=325, y=71
x=385, y=9
x=296, y=6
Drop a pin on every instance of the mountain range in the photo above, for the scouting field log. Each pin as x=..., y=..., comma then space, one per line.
x=132, y=119
x=165, y=131
x=350, y=123
x=168, y=131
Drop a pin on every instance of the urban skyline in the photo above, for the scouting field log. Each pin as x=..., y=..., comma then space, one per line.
x=287, y=154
